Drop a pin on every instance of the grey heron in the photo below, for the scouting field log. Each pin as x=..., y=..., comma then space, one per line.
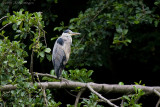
x=61, y=51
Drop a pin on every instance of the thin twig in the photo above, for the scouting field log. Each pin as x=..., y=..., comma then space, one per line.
x=44, y=37
x=156, y=92
x=122, y=102
x=137, y=100
x=3, y=18
x=45, y=98
x=70, y=93
x=100, y=96
x=5, y=26
x=31, y=66
x=29, y=95
x=43, y=32
x=158, y=103
x=78, y=96
x=48, y=75
x=116, y=99
x=44, y=92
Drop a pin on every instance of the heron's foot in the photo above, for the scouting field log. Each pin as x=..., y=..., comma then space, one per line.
x=64, y=80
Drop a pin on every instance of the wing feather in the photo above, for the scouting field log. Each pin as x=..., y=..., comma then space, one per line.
x=58, y=59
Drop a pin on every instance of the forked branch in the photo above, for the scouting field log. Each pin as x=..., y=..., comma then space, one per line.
x=100, y=96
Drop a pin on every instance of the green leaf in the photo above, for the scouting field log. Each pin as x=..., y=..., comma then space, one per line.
x=135, y=89
x=126, y=97
x=89, y=73
x=14, y=26
x=16, y=36
x=11, y=65
x=41, y=54
x=156, y=23
x=47, y=50
x=125, y=31
x=137, y=105
x=26, y=85
x=156, y=3
x=4, y=23
x=18, y=22
x=55, y=1
x=35, y=85
x=52, y=72
x=22, y=94
x=49, y=57
x=119, y=29
x=73, y=20
x=136, y=22
x=128, y=40
x=120, y=83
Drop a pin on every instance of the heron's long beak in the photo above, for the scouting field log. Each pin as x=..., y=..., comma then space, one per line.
x=75, y=33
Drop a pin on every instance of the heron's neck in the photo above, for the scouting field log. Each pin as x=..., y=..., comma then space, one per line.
x=67, y=37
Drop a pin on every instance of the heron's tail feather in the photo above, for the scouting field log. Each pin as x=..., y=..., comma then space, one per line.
x=57, y=72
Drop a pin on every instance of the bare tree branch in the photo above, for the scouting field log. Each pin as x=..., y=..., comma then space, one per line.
x=156, y=92
x=78, y=96
x=100, y=96
x=51, y=76
x=43, y=91
x=31, y=66
x=44, y=37
x=158, y=103
x=112, y=88
x=116, y=99
x=44, y=95
x=5, y=26
x=122, y=102
x=3, y=18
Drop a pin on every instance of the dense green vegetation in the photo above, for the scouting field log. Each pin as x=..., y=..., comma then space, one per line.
x=119, y=41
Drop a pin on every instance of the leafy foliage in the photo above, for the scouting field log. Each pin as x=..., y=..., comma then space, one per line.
x=82, y=75
x=103, y=22
x=12, y=61
x=132, y=100
x=30, y=24
x=79, y=75
x=91, y=102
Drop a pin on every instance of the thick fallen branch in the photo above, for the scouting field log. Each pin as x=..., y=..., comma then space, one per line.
x=97, y=87
x=93, y=87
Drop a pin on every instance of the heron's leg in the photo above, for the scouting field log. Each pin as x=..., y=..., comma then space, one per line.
x=61, y=79
x=64, y=80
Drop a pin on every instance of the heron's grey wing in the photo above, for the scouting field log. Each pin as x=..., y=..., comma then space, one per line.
x=58, y=58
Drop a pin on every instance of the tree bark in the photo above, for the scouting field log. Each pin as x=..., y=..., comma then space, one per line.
x=111, y=88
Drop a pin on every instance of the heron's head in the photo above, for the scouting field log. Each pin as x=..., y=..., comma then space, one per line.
x=69, y=33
